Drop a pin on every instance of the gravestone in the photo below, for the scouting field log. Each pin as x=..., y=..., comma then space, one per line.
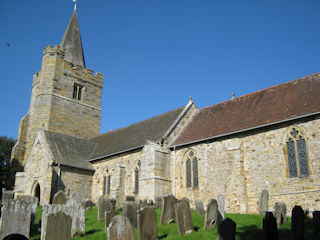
x=297, y=223
x=59, y=198
x=104, y=205
x=120, y=228
x=269, y=225
x=7, y=194
x=74, y=198
x=87, y=204
x=113, y=201
x=107, y=218
x=199, y=207
x=16, y=216
x=316, y=225
x=147, y=224
x=158, y=202
x=227, y=230
x=221, y=204
x=34, y=203
x=279, y=212
x=212, y=215
x=263, y=202
x=183, y=216
x=58, y=226
x=129, y=210
x=143, y=204
x=150, y=203
x=167, y=212
x=130, y=198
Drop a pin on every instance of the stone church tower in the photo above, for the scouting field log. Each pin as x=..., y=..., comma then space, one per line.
x=66, y=96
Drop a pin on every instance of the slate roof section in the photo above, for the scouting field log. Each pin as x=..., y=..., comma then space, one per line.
x=265, y=107
x=72, y=43
x=134, y=136
x=70, y=151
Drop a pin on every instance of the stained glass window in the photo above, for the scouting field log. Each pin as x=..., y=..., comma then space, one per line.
x=192, y=175
x=195, y=171
x=302, y=154
x=188, y=172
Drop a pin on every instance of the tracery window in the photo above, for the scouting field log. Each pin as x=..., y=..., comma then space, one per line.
x=191, y=163
x=297, y=154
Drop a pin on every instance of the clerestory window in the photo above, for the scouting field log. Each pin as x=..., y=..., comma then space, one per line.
x=191, y=163
x=77, y=91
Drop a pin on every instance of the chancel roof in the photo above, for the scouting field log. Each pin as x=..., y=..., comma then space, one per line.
x=134, y=136
x=269, y=106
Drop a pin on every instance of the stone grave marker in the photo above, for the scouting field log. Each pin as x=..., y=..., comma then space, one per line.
x=108, y=217
x=120, y=228
x=129, y=210
x=279, y=212
x=221, y=204
x=167, y=212
x=158, y=202
x=143, y=204
x=297, y=223
x=263, y=202
x=74, y=198
x=212, y=215
x=316, y=225
x=227, y=230
x=87, y=204
x=34, y=203
x=113, y=201
x=150, y=203
x=147, y=223
x=269, y=225
x=58, y=226
x=104, y=205
x=199, y=207
x=59, y=198
x=7, y=194
x=16, y=217
x=183, y=216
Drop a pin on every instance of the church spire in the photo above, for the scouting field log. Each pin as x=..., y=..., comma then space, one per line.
x=71, y=42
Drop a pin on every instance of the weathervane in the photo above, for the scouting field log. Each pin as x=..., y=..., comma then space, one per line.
x=75, y=5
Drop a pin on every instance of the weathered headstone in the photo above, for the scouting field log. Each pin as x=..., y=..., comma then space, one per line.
x=143, y=204
x=263, y=202
x=113, y=201
x=297, y=223
x=108, y=217
x=87, y=204
x=7, y=194
x=129, y=210
x=74, y=198
x=279, y=212
x=120, y=228
x=270, y=230
x=150, y=203
x=316, y=225
x=16, y=216
x=104, y=205
x=34, y=203
x=199, y=207
x=158, y=202
x=221, y=204
x=167, y=212
x=58, y=226
x=212, y=215
x=130, y=198
x=227, y=230
x=183, y=216
x=59, y=198
x=147, y=223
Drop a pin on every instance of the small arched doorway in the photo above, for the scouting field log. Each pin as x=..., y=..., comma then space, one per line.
x=36, y=190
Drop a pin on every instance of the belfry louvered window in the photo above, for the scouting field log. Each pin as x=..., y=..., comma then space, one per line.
x=191, y=166
x=297, y=154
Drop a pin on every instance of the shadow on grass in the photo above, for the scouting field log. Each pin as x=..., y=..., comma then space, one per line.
x=163, y=236
x=93, y=231
x=251, y=232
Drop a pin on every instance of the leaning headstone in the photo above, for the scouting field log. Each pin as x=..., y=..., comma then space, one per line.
x=167, y=212
x=143, y=204
x=16, y=216
x=227, y=230
x=297, y=223
x=130, y=198
x=129, y=210
x=183, y=216
x=104, y=205
x=221, y=204
x=263, y=202
x=316, y=225
x=199, y=207
x=58, y=226
x=279, y=212
x=108, y=217
x=74, y=198
x=87, y=204
x=120, y=228
x=212, y=215
x=7, y=194
x=59, y=198
x=147, y=224
x=269, y=225
x=150, y=203
x=34, y=203
x=158, y=202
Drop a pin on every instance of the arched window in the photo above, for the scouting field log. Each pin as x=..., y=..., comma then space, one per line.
x=136, y=178
x=297, y=155
x=191, y=163
x=106, y=183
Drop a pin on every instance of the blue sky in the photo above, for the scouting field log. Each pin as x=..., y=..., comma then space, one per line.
x=154, y=54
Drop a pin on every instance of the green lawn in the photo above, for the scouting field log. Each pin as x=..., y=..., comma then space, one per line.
x=249, y=227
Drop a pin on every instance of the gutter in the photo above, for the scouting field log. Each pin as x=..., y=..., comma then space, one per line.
x=244, y=130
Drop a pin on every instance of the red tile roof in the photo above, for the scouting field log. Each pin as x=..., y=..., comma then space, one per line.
x=271, y=105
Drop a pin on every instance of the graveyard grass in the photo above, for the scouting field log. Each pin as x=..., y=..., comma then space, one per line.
x=249, y=227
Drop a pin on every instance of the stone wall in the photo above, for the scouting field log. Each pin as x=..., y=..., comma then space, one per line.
x=242, y=165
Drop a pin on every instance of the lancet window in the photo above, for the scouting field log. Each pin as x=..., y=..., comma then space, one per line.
x=191, y=166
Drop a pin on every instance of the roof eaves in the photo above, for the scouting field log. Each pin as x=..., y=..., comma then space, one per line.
x=68, y=165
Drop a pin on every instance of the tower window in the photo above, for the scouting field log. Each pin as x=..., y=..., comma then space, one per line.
x=77, y=91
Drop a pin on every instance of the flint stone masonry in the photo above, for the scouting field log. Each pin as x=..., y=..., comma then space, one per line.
x=120, y=228
x=280, y=213
x=227, y=230
x=104, y=205
x=34, y=203
x=167, y=212
x=129, y=210
x=183, y=216
x=147, y=223
x=199, y=207
x=269, y=225
x=59, y=198
x=15, y=219
x=58, y=226
x=212, y=215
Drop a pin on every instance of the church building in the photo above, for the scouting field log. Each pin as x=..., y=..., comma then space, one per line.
x=266, y=140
